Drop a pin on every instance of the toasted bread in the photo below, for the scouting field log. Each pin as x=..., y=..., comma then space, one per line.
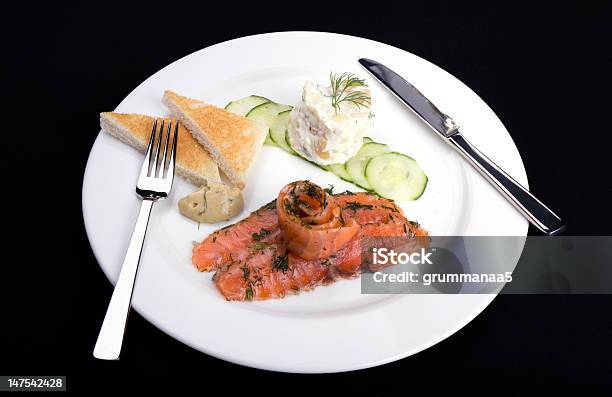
x=232, y=141
x=192, y=161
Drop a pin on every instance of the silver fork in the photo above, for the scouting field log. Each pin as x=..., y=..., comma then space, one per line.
x=154, y=183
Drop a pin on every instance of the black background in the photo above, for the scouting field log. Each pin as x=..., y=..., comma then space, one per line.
x=543, y=70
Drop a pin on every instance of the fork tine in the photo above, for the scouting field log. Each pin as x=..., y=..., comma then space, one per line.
x=155, y=161
x=146, y=165
x=171, y=163
x=155, y=150
x=161, y=167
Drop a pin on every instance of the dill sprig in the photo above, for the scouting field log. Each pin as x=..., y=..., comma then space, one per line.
x=258, y=246
x=353, y=205
x=262, y=233
x=340, y=86
x=281, y=262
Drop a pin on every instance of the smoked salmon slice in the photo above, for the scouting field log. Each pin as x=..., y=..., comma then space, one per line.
x=311, y=222
x=268, y=273
x=232, y=243
x=304, y=238
x=377, y=216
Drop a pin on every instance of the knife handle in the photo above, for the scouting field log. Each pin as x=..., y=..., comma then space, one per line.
x=533, y=209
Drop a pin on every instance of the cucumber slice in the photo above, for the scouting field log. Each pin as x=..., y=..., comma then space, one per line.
x=266, y=113
x=278, y=130
x=340, y=168
x=340, y=171
x=243, y=105
x=356, y=165
x=291, y=146
x=396, y=176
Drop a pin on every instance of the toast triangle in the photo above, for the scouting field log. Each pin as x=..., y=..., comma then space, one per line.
x=192, y=161
x=232, y=141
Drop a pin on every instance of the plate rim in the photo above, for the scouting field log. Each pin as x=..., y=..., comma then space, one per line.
x=457, y=326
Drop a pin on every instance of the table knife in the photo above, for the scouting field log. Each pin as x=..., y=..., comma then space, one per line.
x=526, y=203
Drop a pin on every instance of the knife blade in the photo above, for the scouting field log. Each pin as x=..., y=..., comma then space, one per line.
x=526, y=203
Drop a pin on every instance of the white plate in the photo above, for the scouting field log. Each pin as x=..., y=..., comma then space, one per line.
x=334, y=328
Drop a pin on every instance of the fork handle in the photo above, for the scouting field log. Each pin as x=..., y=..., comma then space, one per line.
x=108, y=345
